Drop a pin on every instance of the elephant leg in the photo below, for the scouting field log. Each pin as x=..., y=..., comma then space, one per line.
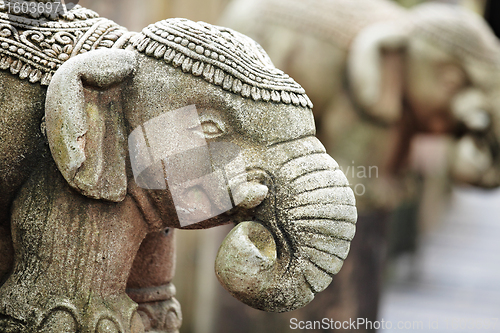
x=72, y=259
x=150, y=284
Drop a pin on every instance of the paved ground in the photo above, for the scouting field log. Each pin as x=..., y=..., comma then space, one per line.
x=453, y=283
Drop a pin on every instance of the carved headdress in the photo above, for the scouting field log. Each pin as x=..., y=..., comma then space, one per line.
x=222, y=57
x=34, y=47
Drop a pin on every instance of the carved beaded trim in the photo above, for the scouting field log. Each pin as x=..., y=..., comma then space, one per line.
x=34, y=49
x=222, y=57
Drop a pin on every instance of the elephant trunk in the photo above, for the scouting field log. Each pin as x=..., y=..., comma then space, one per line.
x=300, y=236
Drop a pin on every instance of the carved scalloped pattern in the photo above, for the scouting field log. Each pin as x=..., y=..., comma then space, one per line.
x=222, y=57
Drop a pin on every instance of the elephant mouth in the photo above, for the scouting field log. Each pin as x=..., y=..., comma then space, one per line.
x=246, y=191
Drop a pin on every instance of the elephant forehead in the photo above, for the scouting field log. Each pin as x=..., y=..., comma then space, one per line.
x=158, y=88
x=222, y=57
x=273, y=123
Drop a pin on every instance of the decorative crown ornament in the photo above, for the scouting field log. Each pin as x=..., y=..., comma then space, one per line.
x=222, y=57
x=34, y=48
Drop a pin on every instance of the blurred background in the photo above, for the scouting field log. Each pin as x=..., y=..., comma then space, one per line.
x=443, y=267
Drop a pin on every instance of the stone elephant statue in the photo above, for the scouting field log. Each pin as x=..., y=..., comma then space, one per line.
x=379, y=75
x=111, y=138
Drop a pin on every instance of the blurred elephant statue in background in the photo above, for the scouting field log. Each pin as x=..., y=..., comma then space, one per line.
x=111, y=138
x=378, y=75
x=431, y=69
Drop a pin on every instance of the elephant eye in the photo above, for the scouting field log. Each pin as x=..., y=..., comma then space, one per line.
x=211, y=129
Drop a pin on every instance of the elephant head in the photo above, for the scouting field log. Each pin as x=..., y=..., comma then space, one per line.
x=446, y=61
x=216, y=134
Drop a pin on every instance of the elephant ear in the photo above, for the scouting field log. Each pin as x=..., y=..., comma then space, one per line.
x=375, y=70
x=85, y=125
